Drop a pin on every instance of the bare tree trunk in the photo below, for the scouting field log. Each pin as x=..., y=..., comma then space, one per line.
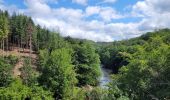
x=7, y=46
x=21, y=45
x=2, y=44
x=13, y=40
x=27, y=42
x=7, y=43
x=29, y=34
x=38, y=45
x=30, y=47
x=12, y=43
x=3, y=47
x=18, y=46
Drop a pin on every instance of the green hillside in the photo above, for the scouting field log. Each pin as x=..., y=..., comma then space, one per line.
x=141, y=65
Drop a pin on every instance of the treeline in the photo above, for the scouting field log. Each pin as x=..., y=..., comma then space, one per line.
x=64, y=65
x=141, y=66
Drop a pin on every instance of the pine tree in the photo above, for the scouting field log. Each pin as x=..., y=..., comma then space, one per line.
x=4, y=28
x=30, y=32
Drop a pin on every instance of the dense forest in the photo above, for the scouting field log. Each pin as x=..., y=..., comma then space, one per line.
x=141, y=66
x=39, y=64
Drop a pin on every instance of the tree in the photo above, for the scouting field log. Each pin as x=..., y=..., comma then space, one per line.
x=87, y=64
x=17, y=91
x=5, y=73
x=30, y=32
x=145, y=76
x=58, y=74
x=4, y=28
x=28, y=74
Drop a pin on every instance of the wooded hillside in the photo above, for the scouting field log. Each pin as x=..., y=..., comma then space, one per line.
x=42, y=62
x=141, y=66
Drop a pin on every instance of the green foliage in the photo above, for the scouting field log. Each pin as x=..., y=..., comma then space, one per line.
x=28, y=74
x=58, y=74
x=97, y=93
x=5, y=73
x=4, y=27
x=6, y=66
x=78, y=94
x=86, y=62
x=11, y=59
x=115, y=56
x=145, y=76
x=18, y=91
x=44, y=39
x=18, y=29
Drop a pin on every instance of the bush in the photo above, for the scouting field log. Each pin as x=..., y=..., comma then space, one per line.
x=5, y=73
x=18, y=91
x=11, y=59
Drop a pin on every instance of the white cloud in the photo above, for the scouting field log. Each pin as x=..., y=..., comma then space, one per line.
x=76, y=30
x=68, y=13
x=81, y=2
x=106, y=13
x=152, y=7
x=91, y=10
x=71, y=22
x=37, y=8
x=155, y=14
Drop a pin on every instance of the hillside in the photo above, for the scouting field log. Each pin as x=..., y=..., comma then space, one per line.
x=36, y=63
x=140, y=65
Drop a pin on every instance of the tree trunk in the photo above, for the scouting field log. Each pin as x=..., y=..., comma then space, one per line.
x=7, y=46
x=18, y=46
x=30, y=47
x=1, y=44
x=21, y=45
x=27, y=43
x=3, y=47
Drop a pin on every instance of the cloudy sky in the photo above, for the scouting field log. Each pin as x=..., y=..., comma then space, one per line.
x=98, y=20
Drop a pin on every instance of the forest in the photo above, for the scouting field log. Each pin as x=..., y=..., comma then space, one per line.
x=39, y=64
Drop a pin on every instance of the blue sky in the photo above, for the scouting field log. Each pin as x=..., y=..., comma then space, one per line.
x=120, y=6
x=98, y=20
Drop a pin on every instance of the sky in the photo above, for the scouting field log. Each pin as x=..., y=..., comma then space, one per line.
x=97, y=20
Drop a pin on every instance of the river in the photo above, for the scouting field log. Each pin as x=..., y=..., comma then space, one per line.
x=105, y=77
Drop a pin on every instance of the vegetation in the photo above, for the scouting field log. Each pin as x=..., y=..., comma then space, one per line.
x=47, y=64
x=58, y=74
x=86, y=62
x=17, y=91
x=142, y=66
x=5, y=73
x=52, y=67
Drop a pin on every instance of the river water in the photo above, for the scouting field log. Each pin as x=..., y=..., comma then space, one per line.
x=105, y=77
